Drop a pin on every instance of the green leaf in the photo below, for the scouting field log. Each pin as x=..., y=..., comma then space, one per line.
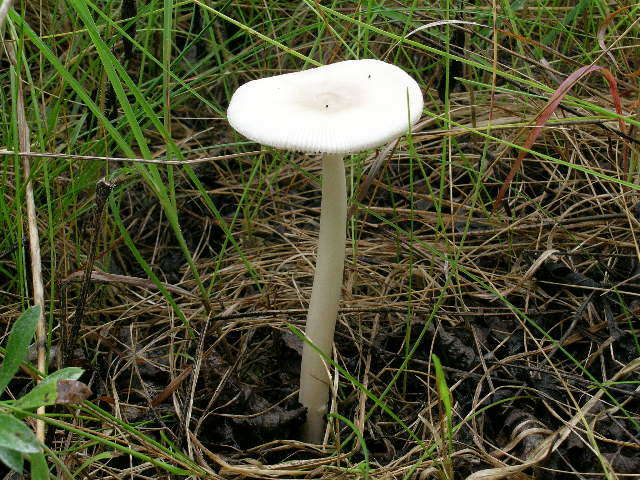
x=11, y=459
x=443, y=390
x=18, y=344
x=15, y=435
x=39, y=468
x=46, y=392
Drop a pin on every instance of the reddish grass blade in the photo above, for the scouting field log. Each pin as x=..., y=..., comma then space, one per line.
x=545, y=114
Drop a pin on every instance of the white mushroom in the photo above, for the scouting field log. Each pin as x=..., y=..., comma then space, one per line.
x=342, y=108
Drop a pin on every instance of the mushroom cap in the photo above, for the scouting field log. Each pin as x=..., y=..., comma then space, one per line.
x=344, y=107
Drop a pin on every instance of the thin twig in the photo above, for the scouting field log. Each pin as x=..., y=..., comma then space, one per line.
x=155, y=161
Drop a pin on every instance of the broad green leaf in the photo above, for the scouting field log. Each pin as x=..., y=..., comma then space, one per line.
x=46, y=392
x=11, y=459
x=15, y=435
x=18, y=344
x=39, y=468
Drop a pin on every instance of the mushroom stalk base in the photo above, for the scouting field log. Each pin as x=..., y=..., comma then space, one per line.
x=315, y=374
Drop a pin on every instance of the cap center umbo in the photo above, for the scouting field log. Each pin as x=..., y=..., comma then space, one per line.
x=332, y=100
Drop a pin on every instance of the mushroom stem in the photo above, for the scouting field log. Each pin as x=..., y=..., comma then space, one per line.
x=315, y=376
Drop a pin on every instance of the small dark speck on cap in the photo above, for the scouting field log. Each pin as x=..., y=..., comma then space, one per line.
x=369, y=76
x=326, y=106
